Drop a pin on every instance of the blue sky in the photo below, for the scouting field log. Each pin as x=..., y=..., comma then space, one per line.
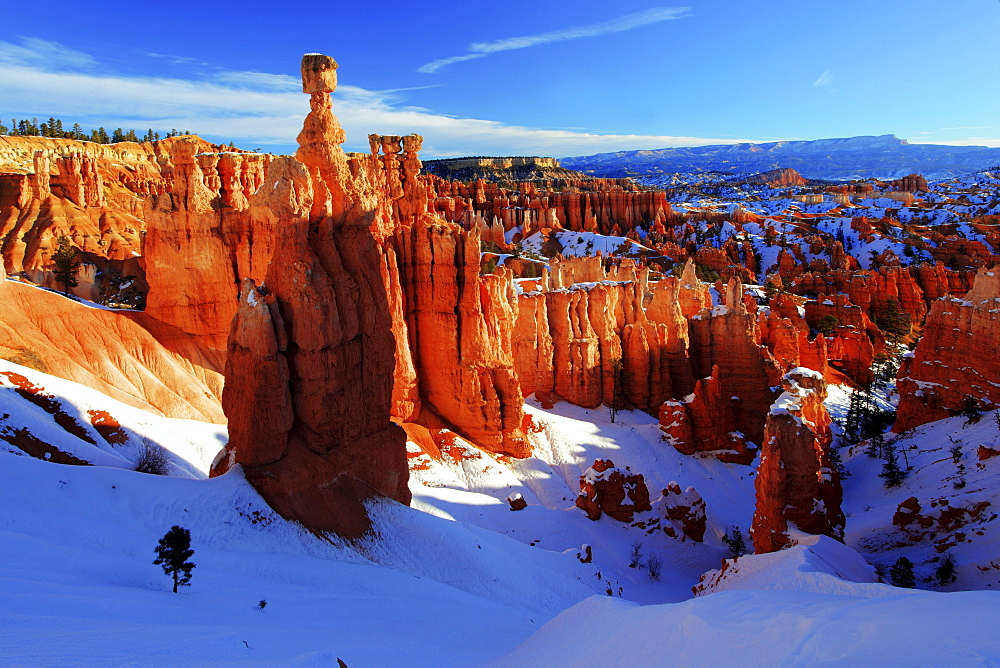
x=517, y=77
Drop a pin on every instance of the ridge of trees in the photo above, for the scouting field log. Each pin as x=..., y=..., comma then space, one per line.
x=55, y=128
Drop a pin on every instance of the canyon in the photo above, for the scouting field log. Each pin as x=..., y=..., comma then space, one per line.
x=374, y=336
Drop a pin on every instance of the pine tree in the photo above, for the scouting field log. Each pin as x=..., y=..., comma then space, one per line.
x=172, y=554
x=734, y=541
x=838, y=463
x=970, y=410
x=876, y=446
x=901, y=574
x=64, y=258
x=894, y=321
x=856, y=420
x=891, y=473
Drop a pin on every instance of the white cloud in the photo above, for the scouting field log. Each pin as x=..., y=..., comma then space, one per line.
x=43, y=54
x=824, y=79
x=257, y=109
x=619, y=24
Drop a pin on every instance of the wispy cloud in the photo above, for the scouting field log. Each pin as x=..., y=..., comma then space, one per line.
x=43, y=54
x=824, y=79
x=619, y=24
x=260, y=109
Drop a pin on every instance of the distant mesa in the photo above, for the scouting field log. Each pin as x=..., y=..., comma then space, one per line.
x=511, y=168
x=884, y=157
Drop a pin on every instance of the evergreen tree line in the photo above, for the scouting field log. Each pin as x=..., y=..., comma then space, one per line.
x=55, y=128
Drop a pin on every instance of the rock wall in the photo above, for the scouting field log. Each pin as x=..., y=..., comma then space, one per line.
x=955, y=359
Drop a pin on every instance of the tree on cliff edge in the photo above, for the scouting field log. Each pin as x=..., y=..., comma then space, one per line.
x=64, y=258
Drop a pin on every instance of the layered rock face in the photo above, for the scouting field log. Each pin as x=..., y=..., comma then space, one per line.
x=127, y=356
x=593, y=205
x=724, y=344
x=311, y=353
x=797, y=486
x=459, y=327
x=91, y=193
x=200, y=240
x=955, y=359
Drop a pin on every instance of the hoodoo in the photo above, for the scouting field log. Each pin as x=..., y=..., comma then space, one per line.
x=797, y=484
x=311, y=354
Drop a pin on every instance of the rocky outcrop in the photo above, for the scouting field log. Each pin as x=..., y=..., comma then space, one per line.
x=593, y=205
x=797, y=486
x=705, y=422
x=125, y=355
x=912, y=183
x=725, y=338
x=311, y=354
x=783, y=176
x=956, y=359
x=191, y=270
x=91, y=193
x=939, y=522
x=618, y=493
x=684, y=512
x=499, y=169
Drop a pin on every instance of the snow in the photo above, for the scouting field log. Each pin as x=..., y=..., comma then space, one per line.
x=576, y=244
x=459, y=579
x=768, y=628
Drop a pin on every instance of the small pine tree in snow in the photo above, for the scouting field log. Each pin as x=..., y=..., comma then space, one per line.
x=876, y=446
x=891, y=473
x=838, y=463
x=901, y=574
x=970, y=410
x=172, y=554
x=734, y=541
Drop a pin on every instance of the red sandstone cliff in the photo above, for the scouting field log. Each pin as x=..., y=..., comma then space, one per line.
x=956, y=358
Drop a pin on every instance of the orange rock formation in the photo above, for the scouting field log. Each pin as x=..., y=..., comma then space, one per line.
x=797, y=486
x=956, y=358
x=618, y=493
x=311, y=354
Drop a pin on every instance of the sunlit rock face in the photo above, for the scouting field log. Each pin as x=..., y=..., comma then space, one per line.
x=956, y=361
x=797, y=485
x=309, y=373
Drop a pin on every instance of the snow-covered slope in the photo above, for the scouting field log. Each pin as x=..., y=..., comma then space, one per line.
x=77, y=583
x=772, y=628
x=459, y=579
